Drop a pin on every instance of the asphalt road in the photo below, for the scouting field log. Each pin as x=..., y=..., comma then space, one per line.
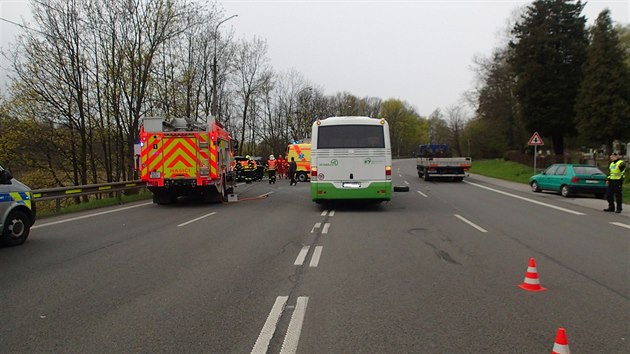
x=434, y=271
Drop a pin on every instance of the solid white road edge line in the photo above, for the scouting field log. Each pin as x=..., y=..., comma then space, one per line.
x=470, y=223
x=290, y=344
x=317, y=226
x=325, y=229
x=316, y=255
x=422, y=194
x=301, y=256
x=527, y=199
x=197, y=219
x=621, y=224
x=262, y=343
x=89, y=216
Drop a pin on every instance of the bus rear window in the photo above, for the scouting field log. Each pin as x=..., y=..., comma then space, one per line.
x=350, y=136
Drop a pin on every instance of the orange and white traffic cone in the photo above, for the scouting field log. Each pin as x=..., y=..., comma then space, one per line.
x=561, y=346
x=531, y=282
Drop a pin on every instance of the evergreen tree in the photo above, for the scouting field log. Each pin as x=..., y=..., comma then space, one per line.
x=548, y=54
x=603, y=105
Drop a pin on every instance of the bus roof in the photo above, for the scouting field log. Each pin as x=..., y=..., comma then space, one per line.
x=349, y=120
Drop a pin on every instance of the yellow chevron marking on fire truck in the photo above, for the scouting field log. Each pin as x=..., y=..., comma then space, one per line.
x=151, y=155
x=180, y=157
x=213, y=160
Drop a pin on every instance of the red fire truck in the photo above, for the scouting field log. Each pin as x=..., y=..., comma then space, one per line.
x=178, y=157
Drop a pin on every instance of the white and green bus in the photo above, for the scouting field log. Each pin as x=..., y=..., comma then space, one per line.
x=351, y=159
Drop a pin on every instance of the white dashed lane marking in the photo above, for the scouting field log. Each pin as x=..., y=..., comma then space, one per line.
x=470, y=223
x=301, y=256
x=316, y=255
x=422, y=194
x=325, y=229
x=317, y=226
x=197, y=219
x=262, y=343
x=290, y=344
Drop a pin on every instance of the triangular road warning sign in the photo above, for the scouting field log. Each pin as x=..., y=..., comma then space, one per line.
x=535, y=140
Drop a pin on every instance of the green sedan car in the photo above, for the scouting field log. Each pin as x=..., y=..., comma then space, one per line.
x=570, y=179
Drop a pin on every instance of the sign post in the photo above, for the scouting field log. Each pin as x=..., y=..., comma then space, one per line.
x=535, y=140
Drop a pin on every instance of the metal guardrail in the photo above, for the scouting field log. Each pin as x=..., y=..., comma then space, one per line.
x=75, y=191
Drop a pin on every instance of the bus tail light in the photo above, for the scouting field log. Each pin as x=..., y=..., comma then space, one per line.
x=313, y=171
x=388, y=172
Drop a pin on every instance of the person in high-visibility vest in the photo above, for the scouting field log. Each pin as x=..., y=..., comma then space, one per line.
x=271, y=169
x=614, y=181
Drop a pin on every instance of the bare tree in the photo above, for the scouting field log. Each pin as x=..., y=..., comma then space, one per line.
x=52, y=71
x=457, y=119
x=252, y=72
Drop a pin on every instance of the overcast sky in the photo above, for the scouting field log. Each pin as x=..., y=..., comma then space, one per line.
x=419, y=51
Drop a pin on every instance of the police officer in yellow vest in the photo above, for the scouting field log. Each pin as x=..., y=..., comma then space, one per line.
x=614, y=181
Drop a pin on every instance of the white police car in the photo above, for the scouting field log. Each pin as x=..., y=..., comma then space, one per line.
x=17, y=210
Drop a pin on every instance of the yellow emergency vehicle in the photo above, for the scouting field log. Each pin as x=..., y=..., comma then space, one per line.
x=301, y=152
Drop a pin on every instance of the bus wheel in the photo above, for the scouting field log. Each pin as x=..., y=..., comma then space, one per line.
x=16, y=229
x=301, y=177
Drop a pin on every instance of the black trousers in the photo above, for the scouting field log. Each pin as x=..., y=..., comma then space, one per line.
x=292, y=177
x=613, y=193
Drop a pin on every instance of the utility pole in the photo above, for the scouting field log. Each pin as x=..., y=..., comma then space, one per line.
x=215, y=103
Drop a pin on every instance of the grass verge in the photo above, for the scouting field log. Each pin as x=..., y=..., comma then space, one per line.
x=516, y=172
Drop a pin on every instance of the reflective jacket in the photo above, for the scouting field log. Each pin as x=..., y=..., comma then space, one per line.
x=616, y=172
